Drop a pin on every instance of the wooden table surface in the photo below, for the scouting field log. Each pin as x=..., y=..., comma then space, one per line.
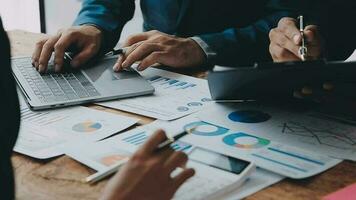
x=62, y=177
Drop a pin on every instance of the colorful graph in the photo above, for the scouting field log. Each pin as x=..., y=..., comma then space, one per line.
x=111, y=159
x=160, y=81
x=206, y=129
x=249, y=116
x=87, y=127
x=245, y=141
x=181, y=146
x=136, y=139
x=140, y=138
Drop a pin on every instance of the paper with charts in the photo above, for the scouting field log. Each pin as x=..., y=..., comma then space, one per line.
x=281, y=158
x=175, y=96
x=41, y=133
x=304, y=130
x=102, y=154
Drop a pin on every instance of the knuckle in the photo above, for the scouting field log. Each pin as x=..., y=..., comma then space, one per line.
x=272, y=33
x=162, y=38
x=131, y=39
x=92, y=48
x=153, y=32
x=59, y=46
x=155, y=55
x=182, y=156
x=271, y=51
x=40, y=43
x=137, y=157
x=72, y=33
x=47, y=46
x=285, y=21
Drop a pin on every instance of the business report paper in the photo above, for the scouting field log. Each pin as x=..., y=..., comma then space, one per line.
x=284, y=159
x=103, y=154
x=41, y=133
x=303, y=130
x=175, y=96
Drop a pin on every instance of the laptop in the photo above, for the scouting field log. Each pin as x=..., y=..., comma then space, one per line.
x=73, y=87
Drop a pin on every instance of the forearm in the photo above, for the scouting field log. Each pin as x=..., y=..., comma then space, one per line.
x=108, y=15
x=241, y=46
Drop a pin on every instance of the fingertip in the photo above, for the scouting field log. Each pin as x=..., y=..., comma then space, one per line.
x=57, y=68
x=160, y=132
x=190, y=172
x=125, y=64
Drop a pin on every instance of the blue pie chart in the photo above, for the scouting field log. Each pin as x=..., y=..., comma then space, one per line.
x=249, y=116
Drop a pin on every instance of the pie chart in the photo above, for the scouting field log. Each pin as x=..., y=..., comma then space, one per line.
x=245, y=141
x=205, y=129
x=86, y=127
x=249, y=116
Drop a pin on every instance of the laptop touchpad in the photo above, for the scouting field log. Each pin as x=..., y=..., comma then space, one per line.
x=103, y=72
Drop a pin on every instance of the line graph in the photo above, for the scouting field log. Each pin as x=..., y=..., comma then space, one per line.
x=316, y=132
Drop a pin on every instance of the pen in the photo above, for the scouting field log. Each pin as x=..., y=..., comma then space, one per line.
x=114, y=52
x=303, y=49
x=171, y=140
x=112, y=169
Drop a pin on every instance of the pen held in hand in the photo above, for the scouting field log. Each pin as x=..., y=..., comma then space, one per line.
x=303, y=50
x=101, y=175
x=114, y=52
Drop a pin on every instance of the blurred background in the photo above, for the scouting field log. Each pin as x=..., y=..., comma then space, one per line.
x=47, y=16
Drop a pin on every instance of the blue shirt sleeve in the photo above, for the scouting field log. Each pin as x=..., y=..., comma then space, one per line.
x=108, y=15
x=240, y=46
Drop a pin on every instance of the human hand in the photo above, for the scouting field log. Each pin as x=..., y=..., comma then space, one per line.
x=286, y=39
x=85, y=39
x=147, y=175
x=155, y=47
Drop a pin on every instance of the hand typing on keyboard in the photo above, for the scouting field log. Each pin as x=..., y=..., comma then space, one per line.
x=85, y=39
x=148, y=173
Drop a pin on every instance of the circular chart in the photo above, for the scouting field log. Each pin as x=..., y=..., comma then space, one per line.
x=182, y=109
x=206, y=129
x=206, y=99
x=249, y=116
x=87, y=127
x=192, y=104
x=245, y=141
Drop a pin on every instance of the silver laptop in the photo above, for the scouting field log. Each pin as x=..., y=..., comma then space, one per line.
x=72, y=87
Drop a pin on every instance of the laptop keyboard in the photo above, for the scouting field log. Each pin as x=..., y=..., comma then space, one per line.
x=52, y=87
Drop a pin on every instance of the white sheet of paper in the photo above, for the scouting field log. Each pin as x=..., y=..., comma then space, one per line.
x=259, y=180
x=175, y=96
x=43, y=130
x=277, y=157
x=100, y=155
x=300, y=130
x=352, y=57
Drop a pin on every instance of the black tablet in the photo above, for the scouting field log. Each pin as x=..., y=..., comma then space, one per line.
x=271, y=80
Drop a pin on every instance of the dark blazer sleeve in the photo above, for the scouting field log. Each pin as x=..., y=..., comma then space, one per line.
x=109, y=15
x=240, y=46
x=9, y=123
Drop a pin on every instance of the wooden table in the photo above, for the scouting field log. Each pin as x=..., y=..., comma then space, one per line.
x=62, y=178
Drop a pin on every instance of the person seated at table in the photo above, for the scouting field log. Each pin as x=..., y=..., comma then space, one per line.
x=330, y=32
x=179, y=34
x=147, y=175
